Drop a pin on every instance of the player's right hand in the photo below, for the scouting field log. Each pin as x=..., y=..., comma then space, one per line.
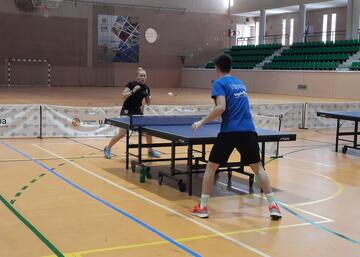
x=196, y=125
x=137, y=88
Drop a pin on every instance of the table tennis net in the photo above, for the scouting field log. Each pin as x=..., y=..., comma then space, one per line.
x=140, y=120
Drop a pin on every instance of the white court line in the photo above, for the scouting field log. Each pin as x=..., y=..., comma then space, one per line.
x=238, y=242
x=287, y=205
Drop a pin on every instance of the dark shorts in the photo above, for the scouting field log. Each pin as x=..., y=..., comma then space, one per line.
x=245, y=142
x=128, y=112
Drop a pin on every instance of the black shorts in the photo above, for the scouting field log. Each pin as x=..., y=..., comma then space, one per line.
x=245, y=142
x=129, y=112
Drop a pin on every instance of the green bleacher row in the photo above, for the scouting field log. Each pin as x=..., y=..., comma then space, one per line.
x=235, y=65
x=312, y=58
x=301, y=66
x=257, y=58
x=265, y=52
x=244, y=65
x=257, y=47
x=323, y=50
x=327, y=44
x=355, y=66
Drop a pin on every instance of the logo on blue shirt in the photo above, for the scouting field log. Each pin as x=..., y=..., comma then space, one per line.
x=240, y=94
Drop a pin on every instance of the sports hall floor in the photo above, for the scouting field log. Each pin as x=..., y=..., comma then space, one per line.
x=60, y=197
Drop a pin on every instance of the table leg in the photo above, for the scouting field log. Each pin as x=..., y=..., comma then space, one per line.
x=189, y=167
x=337, y=135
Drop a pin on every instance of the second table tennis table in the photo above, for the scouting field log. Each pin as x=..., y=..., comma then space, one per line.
x=346, y=116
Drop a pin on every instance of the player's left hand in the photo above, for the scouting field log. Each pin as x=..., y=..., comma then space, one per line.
x=196, y=125
x=145, y=93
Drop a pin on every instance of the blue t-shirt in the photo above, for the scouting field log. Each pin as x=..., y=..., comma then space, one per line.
x=237, y=116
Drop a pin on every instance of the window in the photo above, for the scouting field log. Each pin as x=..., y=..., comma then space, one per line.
x=333, y=27
x=291, y=39
x=257, y=32
x=324, y=28
x=283, y=39
x=231, y=3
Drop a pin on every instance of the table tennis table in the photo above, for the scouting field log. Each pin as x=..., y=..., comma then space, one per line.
x=177, y=129
x=345, y=116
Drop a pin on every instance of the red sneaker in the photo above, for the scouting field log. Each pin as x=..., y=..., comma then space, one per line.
x=275, y=211
x=200, y=212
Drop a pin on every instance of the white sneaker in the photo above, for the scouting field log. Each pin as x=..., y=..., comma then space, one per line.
x=275, y=211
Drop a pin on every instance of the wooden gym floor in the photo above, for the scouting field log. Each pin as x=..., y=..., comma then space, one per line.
x=60, y=196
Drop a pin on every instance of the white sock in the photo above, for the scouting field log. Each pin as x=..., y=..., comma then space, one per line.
x=271, y=198
x=204, y=200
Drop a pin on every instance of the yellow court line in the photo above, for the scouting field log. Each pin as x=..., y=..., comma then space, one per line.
x=340, y=189
x=186, y=239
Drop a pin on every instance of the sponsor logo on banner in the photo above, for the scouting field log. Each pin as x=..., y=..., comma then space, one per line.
x=3, y=121
x=75, y=122
x=90, y=122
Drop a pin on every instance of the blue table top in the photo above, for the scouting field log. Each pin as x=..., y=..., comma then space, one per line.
x=206, y=131
x=349, y=115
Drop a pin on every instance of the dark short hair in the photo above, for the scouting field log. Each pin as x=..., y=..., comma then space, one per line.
x=223, y=62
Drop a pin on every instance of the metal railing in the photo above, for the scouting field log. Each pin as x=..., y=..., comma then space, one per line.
x=268, y=39
x=318, y=36
x=276, y=39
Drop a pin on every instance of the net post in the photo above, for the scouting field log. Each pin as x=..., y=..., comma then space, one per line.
x=49, y=73
x=9, y=72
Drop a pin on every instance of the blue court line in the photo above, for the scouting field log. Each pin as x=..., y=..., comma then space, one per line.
x=318, y=225
x=170, y=240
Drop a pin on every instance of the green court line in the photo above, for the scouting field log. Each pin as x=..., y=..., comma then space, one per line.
x=26, y=187
x=32, y=228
